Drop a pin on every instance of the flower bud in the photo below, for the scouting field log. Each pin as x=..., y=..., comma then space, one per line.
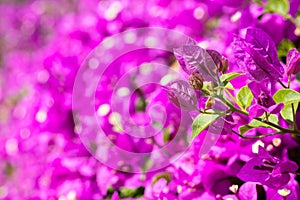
x=293, y=62
x=225, y=65
x=196, y=81
x=220, y=61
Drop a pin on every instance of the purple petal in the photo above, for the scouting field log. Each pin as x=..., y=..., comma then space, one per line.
x=255, y=88
x=262, y=41
x=264, y=154
x=220, y=61
x=262, y=66
x=293, y=62
x=115, y=196
x=231, y=197
x=243, y=59
x=288, y=166
x=276, y=108
x=249, y=172
x=277, y=181
x=248, y=191
x=258, y=87
x=257, y=55
x=256, y=111
x=194, y=59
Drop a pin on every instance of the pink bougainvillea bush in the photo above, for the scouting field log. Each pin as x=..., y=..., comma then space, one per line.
x=150, y=99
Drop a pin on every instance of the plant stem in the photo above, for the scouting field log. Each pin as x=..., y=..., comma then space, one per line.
x=267, y=116
x=282, y=84
x=231, y=96
x=293, y=108
x=291, y=19
x=260, y=136
x=212, y=113
x=234, y=109
x=294, y=118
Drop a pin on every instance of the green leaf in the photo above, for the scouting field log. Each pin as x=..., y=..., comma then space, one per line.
x=201, y=122
x=298, y=77
x=9, y=169
x=281, y=7
x=164, y=175
x=229, y=76
x=148, y=164
x=244, y=97
x=273, y=118
x=207, y=87
x=286, y=96
x=244, y=129
x=283, y=48
x=157, y=125
x=110, y=191
x=229, y=86
x=287, y=112
x=131, y=192
x=256, y=124
x=166, y=134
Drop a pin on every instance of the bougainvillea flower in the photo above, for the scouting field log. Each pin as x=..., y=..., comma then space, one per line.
x=194, y=59
x=257, y=110
x=293, y=62
x=262, y=93
x=267, y=170
x=256, y=54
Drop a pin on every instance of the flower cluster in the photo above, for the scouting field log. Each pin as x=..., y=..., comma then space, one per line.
x=235, y=104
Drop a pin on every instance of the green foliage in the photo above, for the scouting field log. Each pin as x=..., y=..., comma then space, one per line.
x=165, y=176
x=298, y=77
x=229, y=76
x=202, y=121
x=244, y=97
x=226, y=78
x=287, y=112
x=281, y=7
x=207, y=88
x=286, y=96
x=166, y=134
x=148, y=164
x=229, y=86
x=283, y=48
x=256, y=124
x=125, y=192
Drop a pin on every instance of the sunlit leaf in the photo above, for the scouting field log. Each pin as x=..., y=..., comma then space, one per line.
x=131, y=192
x=201, y=122
x=225, y=78
x=244, y=97
x=278, y=6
